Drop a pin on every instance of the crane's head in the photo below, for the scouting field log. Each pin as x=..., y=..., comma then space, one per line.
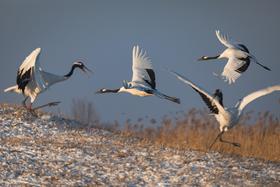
x=105, y=90
x=81, y=65
x=101, y=91
x=208, y=58
x=203, y=58
x=218, y=91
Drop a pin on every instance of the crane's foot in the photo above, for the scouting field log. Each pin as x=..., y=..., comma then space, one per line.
x=219, y=136
x=27, y=107
x=30, y=110
x=47, y=105
x=24, y=103
x=236, y=144
x=228, y=142
x=33, y=113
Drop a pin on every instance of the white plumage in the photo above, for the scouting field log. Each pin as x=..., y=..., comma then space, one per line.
x=227, y=117
x=140, y=62
x=143, y=81
x=239, y=59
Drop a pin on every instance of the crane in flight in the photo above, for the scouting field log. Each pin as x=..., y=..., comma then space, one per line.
x=239, y=59
x=143, y=81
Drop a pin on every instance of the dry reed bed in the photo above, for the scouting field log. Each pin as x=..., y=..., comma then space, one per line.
x=196, y=130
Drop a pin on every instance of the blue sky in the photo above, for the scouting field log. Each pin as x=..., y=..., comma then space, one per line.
x=174, y=34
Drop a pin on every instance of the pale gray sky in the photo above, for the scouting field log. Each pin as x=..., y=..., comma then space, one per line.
x=174, y=33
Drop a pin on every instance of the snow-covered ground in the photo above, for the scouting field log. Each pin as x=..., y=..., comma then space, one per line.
x=49, y=150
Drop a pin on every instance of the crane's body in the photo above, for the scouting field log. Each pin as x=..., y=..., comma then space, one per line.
x=140, y=91
x=32, y=80
x=226, y=117
x=238, y=56
x=143, y=82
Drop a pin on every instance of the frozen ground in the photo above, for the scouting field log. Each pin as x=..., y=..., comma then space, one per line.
x=49, y=151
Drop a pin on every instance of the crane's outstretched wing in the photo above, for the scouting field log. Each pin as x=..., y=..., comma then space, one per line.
x=212, y=103
x=50, y=78
x=251, y=97
x=229, y=43
x=234, y=68
x=29, y=70
x=142, y=68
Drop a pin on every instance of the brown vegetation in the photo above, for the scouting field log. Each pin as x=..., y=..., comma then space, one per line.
x=84, y=112
x=196, y=130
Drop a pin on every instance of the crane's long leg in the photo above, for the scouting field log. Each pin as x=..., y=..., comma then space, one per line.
x=32, y=110
x=219, y=136
x=28, y=107
x=45, y=105
x=223, y=141
x=24, y=102
x=232, y=143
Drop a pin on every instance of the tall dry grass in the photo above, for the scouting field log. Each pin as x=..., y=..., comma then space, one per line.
x=84, y=112
x=196, y=130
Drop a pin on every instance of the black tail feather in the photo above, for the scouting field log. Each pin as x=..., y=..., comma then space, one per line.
x=173, y=99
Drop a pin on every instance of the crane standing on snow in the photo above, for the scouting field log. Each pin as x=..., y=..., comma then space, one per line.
x=32, y=80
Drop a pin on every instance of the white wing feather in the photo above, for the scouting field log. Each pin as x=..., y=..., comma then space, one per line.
x=37, y=84
x=209, y=96
x=225, y=40
x=32, y=61
x=229, y=72
x=140, y=62
x=251, y=97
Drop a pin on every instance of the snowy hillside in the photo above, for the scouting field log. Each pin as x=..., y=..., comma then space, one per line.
x=50, y=150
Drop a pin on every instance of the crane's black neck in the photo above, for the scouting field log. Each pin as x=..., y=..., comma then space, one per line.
x=211, y=57
x=110, y=90
x=71, y=71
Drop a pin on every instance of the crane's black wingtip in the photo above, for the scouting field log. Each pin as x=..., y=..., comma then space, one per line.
x=177, y=100
x=267, y=68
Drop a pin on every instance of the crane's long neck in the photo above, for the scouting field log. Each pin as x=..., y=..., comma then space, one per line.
x=71, y=71
x=111, y=90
